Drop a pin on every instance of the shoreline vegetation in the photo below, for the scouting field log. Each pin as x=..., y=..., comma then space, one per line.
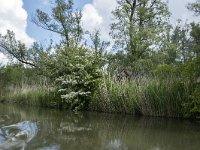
x=153, y=70
x=153, y=96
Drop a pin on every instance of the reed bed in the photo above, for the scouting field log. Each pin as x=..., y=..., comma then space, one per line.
x=149, y=96
x=146, y=96
x=33, y=95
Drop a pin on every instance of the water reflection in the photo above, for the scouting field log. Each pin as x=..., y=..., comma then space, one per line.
x=52, y=147
x=17, y=135
x=58, y=130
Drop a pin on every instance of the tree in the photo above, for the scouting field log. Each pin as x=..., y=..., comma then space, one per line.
x=98, y=45
x=180, y=50
x=138, y=26
x=34, y=56
x=195, y=31
x=63, y=20
x=195, y=38
x=192, y=67
x=195, y=7
x=16, y=49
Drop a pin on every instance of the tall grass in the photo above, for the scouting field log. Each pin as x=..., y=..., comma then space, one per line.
x=33, y=95
x=150, y=96
x=146, y=96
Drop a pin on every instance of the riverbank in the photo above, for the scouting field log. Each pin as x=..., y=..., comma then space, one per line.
x=169, y=97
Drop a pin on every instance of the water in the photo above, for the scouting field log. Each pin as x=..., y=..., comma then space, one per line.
x=25, y=128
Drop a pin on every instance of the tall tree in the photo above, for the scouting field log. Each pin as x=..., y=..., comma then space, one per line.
x=138, y=26
x=181, y=40
x=195, y=38
x=195, y=32
x=63, y=20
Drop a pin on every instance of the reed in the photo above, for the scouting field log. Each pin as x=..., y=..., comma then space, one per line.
x=150, y=96
x=33, y=95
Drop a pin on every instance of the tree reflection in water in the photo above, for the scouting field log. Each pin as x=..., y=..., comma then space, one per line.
x=62, y=130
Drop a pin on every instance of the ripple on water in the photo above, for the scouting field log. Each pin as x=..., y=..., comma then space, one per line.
x=52, y=147
x=17, y=136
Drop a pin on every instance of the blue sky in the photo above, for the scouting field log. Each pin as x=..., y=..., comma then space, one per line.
x=96, y=16
x=177, y=7
x=16, y=15
x=35, y=32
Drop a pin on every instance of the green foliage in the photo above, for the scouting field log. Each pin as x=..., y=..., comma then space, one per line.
x=192, y=106
x=191, y=70
x=195, y=7
x=17, y=51
x=165, y=71
x=137, y=26
x=77, y=74
x=182, y=43
x=24, y=86
x=16, y=75
x=98, y=45
x=63, y=20
x=195, y=34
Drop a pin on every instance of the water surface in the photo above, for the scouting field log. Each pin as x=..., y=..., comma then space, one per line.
x=25, y=128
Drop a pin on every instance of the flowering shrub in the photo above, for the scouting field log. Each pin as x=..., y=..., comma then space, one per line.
x=78, y=76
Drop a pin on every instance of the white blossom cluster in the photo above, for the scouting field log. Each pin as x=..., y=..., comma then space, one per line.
x=82, y=74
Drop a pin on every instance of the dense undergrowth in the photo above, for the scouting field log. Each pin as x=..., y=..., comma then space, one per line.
x=169, y=97
x=30, y=95
x=145, y=96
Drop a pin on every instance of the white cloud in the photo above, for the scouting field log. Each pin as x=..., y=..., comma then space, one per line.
x=45, y=2
x=97, y=15
x=91, y=17
x=14, y=17
x=179, y=11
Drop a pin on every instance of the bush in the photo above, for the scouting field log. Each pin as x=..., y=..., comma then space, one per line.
x=191, y=70
x=79, y=77
x=192, y=107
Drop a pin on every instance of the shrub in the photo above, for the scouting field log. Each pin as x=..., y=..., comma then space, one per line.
x=192, y=106
x=79, y=78
x=191, y=70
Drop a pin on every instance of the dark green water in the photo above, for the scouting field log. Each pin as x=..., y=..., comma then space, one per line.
x=39, y=129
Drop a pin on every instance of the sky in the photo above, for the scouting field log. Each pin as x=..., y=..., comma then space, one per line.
x=16, y=15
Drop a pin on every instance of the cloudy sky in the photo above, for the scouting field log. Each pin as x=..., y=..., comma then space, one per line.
x=16, y=15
